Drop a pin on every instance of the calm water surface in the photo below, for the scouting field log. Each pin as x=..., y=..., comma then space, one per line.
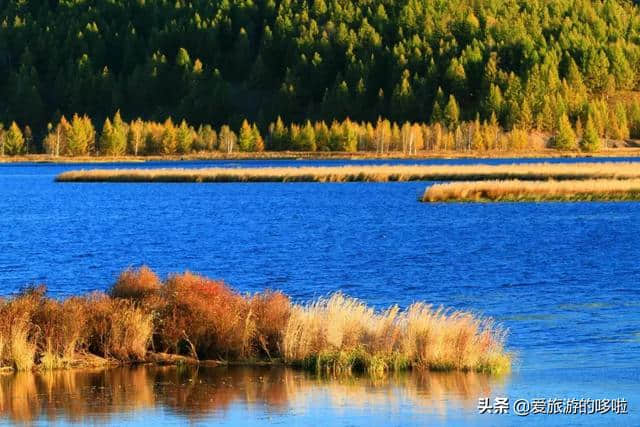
x=563, y=277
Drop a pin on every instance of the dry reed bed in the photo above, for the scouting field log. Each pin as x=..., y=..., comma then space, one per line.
x=529, y=172
x=514, y=190
x=192, y=316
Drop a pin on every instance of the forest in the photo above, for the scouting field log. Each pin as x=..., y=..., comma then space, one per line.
x=203, y=67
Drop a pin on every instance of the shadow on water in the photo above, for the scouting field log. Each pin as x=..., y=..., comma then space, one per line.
x=193, y=394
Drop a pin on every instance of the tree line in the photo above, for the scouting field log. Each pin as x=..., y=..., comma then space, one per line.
x=221, y=61
x=78, y=136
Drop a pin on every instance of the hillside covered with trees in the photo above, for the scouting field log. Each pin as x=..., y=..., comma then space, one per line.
x=553, y=66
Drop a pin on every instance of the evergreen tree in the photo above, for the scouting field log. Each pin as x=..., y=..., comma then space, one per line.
x=526, y=116
x=493, y=103
x=168, y=140
x=13, y=140
x=106, y=142
x=452, y=113
x=80, y=136
x=279, y=136
x=245, y=138
x=634, y=119
x=590, y=140
x=306, y=140
x=565, y=138
x=258, y=142
x=184, y=138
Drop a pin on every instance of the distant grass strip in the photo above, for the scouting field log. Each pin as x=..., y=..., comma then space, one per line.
x=189, y=319
x=529, y=172
x=515, y=191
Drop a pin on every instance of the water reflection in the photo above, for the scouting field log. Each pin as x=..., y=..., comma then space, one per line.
x=197, y=393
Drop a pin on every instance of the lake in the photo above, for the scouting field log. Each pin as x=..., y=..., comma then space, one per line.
x=563, y=277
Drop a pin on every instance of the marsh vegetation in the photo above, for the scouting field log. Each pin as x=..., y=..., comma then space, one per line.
x=188, y=318
x=533, y=171
x=515, y=190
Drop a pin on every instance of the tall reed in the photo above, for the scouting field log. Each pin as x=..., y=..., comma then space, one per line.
x=340, y=334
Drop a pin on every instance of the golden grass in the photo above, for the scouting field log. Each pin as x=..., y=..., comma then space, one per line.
x=190, y=317
x=515, y=190
x=534, y=171
x=22, y=348
x=342, y=334
x=118, y=328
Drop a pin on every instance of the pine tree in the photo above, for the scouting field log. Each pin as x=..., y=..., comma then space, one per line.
x=634, y=119
x=80, y=136
x=279, y=135
x=477, y=140
x=306, y=138
x=590, y=140
x=107, y=139
x=349, y=136
x=168, y=139
x=113, y=139
x=322, y=136
x=623, y=123
x=494, y=101
x=258, y=142
x=13, y=140
x=437, y=116
x=184, y=138
x=120, y=130
x=452, y=113
x=245, y=137
x=565, y=138
x=526, y=116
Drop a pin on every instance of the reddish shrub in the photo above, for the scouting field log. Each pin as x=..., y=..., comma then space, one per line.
x=202, y=315
x=136, y=284
x=270, y=311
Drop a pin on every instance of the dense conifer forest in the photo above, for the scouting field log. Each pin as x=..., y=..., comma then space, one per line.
x=164, y=76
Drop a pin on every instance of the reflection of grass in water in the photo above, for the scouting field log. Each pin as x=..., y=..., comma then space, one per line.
x=198, y=392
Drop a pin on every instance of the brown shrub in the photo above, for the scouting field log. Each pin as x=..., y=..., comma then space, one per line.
x=136, y=284
x=202, y=316
x=117, y=328
x=18, y=334
x=271, y=312
x=62, y=330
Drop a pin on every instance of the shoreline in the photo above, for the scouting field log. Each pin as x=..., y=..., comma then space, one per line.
x=333, y=155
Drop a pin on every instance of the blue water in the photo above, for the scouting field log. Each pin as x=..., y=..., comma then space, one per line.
x=563, y=277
